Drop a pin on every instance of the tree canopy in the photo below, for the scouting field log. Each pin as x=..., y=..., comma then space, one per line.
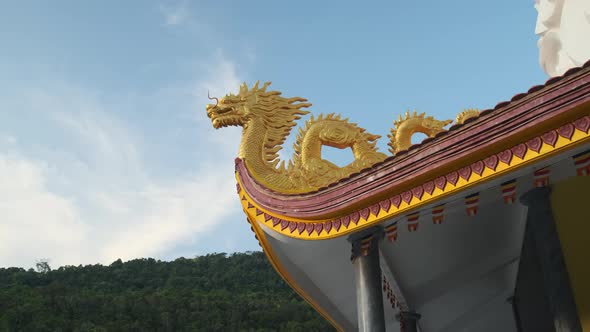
x=216, y=292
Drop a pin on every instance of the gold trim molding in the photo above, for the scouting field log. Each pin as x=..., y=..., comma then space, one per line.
x=539, y=148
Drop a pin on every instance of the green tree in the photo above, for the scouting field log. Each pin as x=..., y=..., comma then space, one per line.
x=215, y=292
x=43, y=266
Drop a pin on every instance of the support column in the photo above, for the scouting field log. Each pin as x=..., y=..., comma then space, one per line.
x=367, y=272
x=541, y=227
x=408, y=321
x=513, y=303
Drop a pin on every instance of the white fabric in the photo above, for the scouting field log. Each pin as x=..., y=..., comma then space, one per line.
x=564, y=30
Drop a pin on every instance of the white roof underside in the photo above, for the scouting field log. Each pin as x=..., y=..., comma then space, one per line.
x=458, y=275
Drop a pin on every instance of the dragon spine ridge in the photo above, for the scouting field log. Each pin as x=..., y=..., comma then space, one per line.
x=267, y=119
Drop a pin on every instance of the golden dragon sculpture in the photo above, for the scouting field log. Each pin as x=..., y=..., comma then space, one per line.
x=267, y=119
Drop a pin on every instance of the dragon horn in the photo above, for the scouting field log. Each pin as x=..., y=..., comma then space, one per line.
x=243, y=88
x=213, y=98
x=265, y=85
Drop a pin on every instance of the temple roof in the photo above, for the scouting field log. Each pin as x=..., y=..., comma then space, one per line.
x=447, y=210
x=527, y=121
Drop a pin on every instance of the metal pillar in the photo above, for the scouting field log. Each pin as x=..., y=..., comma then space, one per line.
x=555, y=279
x=367, y=272
x=408, y=321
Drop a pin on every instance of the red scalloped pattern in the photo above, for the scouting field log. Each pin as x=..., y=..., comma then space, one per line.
x=328, y=226
x=407, y=196
x=535, y=144
x=345, y=221
x=284, y=224
x=505, y=156
x=520, y=150
x=300, y=227
x=385, y=205
x=428, y=187
x=440, y=182
x=375, y=208
x=478, y=167
x=566, y=131
x=365, y=213
x=275, y=221
x=491, y=162
x=465, y=173
x=550, y=137
x=319, y=227
x=396, y=201
x=452, y=178
x=583, y=124
x=355, y=217
x=292, y=226
x=418, y=192
x=309, y=228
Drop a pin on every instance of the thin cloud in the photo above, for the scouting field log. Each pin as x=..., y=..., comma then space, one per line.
x=9, y=139
x=92, y=196
x=35, y=221
x=177, y=14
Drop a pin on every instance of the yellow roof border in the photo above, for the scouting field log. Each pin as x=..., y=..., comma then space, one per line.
x=284, y=224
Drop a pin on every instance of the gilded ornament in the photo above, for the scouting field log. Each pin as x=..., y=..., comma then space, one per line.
x=400, y=137
x=466, y=114
x=267, y=119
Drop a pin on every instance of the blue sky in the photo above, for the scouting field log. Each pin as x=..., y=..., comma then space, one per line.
x=105, y=148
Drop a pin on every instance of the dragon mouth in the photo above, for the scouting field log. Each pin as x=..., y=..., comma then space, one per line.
x=226, y=121
x=224, y=117
x=213, y=111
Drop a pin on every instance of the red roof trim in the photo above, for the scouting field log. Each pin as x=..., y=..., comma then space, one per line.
x=461, y=143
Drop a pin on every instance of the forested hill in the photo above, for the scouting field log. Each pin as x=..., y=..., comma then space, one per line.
x=217, y=292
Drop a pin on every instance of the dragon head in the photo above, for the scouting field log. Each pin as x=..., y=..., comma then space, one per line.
x=278, y=113
x=233, y=110
x=272, y=112
x=435, y=126
x=238, y=110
